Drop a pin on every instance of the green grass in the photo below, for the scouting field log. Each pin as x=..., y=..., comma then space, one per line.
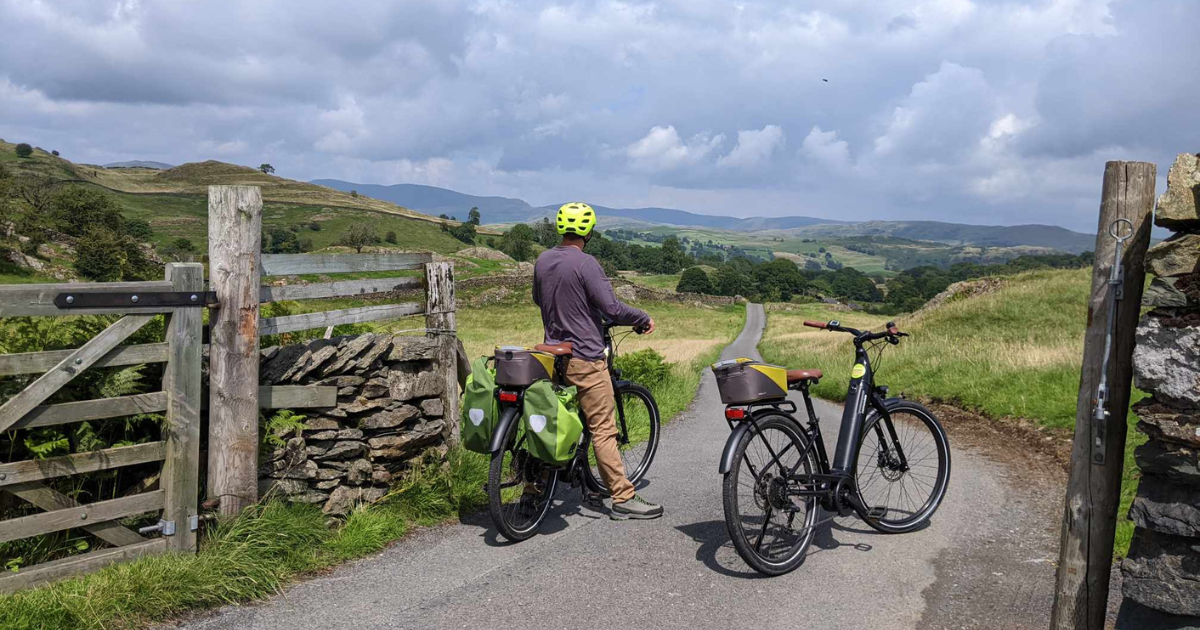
x=173, y=216
x=1014, y=353
x=248, y=558
x=662, y=282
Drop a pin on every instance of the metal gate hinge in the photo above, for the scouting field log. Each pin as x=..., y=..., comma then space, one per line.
x=166, y=528
x=68, y=300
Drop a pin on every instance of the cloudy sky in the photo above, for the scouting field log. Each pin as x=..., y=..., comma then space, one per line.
x=976, y=111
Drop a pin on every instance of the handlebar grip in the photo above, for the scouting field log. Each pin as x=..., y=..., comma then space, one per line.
x=811, y=324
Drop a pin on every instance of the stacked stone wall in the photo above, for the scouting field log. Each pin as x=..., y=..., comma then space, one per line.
x=1162, y=571
x=389, y=413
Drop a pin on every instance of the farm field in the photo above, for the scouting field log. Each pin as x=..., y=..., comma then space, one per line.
x=662, y=282
x=1012, y=353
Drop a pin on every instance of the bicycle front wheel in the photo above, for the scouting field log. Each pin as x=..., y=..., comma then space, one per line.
x=902, y=468
x=520, y=486
x=769, y=526
x=637, y=422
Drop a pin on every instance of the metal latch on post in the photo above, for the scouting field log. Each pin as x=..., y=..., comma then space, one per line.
x=1100, y=414
x=147, y=299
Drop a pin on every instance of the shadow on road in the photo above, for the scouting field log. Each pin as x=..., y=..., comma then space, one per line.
x=713, y=537
x=568, y=505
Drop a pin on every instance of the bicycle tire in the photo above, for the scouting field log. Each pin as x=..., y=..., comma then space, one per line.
x=761, y=492
x=527, y=470
x=880, y=514
x=639, y=454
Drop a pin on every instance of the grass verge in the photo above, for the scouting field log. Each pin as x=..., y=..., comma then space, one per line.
x=247, y=558
x=1012, y=353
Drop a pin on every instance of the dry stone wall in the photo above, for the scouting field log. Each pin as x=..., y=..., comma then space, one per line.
x=1162, y=570
x=390, y=411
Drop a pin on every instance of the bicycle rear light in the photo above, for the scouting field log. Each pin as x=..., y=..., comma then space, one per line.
x=508, y=397
x=735, y=413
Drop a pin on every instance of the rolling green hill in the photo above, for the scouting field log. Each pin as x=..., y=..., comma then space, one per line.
x=174, y=201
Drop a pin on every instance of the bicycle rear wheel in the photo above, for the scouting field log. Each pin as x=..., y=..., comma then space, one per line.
x=770, y=529
x=520, y=486
x=637, y=439
x=901, y=496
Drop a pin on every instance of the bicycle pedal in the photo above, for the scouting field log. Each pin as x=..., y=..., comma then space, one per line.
x=877, y=513
x=594, y=499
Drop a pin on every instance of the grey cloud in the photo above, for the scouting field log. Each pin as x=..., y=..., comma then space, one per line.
x=972, y=110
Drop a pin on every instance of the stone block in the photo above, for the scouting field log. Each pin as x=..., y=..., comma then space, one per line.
x=1175, y=462
x=382, y=344
x=1166, y=507
x=1165, y=362
x=342, y=381
x=381, y=476
x=359, y=473
x=407, y=444
x=1180, y=292
x=1163, y=572
x=343, y=499
x=281, y=487
x=321, y=424
x=325, y=474
x=312, y=496
x=408, y=348
x=305, y=470
x=349, y=449
x=387, y=419
x=1176, y=256
x=347, y=353
x=434, y=408
x=1179, y=207
x=1167, y=423
x=328, y=484
x=415, y=381
x=375, y=388
x=318, y=358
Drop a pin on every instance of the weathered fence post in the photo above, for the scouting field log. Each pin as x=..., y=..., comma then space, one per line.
x=1093, y=491
x=234, y=258
x=440, y=322
x=181, y=467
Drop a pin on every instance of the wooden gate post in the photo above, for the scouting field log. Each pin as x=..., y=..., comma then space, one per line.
x=181, y=467
x=441, y=324
x=234, y=259
x=1094, y=491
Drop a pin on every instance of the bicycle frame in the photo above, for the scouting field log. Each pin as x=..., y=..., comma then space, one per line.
x=831, y=482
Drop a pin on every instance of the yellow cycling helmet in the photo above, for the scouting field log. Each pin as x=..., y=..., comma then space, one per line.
x=576, y=218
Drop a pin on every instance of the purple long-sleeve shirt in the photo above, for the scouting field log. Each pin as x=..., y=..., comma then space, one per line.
x=575, y=298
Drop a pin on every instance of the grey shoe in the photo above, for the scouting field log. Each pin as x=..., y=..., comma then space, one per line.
x=636, y=508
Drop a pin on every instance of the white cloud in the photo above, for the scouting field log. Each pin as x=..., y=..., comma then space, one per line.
x=824, y=147
x=662, y=149
x=754, y=147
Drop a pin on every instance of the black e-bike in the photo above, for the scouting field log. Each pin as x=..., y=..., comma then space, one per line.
x=891, y=466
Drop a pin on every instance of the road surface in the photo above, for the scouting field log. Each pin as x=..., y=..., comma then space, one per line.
x=984, y=562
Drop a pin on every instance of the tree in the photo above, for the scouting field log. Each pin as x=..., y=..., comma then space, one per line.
x=76, y=210
x=694, y=280
x=54, y=153
x=673, y=256
x=266, y=168
x=314, y=225
x=353, y=193
x=547, y=233
x=100, y=256
x=139, y=230
x=358, y=236
x=390, y=237
x=24, y=150
x=473, y=216
x=518, y=242
x=281, y=240
x=464, y=232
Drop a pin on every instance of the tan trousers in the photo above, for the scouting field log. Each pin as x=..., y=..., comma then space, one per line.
x=596, y=401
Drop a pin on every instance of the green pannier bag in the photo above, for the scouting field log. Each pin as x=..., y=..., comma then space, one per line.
x=551, y=421
x=479, y=407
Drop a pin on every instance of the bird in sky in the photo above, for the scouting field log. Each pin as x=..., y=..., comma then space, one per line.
x=825, y=80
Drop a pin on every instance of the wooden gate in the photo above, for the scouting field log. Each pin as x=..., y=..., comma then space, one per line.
x=179, y=400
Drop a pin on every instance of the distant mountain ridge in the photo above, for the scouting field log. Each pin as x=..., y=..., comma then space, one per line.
x=433, y=200
x=140, y=164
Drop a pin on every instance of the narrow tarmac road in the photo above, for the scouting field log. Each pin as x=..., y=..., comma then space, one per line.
x=984, y=562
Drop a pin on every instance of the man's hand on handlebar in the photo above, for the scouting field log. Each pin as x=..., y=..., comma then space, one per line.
x=647, y=329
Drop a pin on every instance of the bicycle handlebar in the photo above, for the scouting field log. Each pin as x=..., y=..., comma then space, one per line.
x=891, y=333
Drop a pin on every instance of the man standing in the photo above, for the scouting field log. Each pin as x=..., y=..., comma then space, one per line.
x=575, y=297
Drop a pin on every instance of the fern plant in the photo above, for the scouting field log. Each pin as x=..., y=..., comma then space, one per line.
x=280, y=424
